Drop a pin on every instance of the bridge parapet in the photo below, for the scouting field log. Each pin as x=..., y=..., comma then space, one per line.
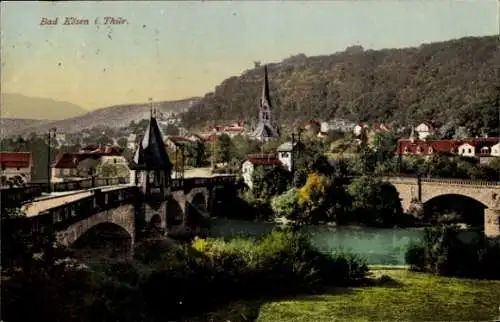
x=190, y=183
x=59, y=218
x=461, y=182
x=414, y=180
x=11, y=197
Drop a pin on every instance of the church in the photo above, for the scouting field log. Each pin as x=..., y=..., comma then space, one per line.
x=267, y=128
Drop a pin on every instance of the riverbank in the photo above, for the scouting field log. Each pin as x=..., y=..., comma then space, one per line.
x=400, y=296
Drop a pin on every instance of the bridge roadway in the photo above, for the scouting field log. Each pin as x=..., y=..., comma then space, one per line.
x=57, y=199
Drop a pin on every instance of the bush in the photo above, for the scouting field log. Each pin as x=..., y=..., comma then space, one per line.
x=445, y=251
x=170, y=283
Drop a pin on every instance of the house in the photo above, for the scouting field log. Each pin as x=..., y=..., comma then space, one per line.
x=83, y=164
x=132, y=142
x=16, y=166
x=482, y=148
x=285, y=154
x=174, y=141
x=467, y=149
x=313, y=126
x=254, y=161
x=424, y=129
x=359, y=128
x=381, y=127
x=495, y=150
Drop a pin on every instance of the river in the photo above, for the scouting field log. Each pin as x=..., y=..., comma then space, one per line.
x=377, y=246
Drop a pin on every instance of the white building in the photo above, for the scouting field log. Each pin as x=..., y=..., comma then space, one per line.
x=466, y=150
x=359, y=128
x=15, y=166
x=495, y=150
x=132, y=142
x=285, y=154
x=252, y=162
x=423, y=130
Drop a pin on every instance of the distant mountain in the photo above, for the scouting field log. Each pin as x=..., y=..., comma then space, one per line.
x=114, y=117
x=18, y=106
x=455, y=81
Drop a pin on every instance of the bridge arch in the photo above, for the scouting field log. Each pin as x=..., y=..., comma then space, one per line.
x=122, y=216
x=199, y=200
x=175, y=213
x=106, y=239
x=460, y=207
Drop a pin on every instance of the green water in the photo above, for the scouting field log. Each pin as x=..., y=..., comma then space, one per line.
x=377, y=246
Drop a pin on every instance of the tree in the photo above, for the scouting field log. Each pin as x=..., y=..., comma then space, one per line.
x=122, y=142
x=110, y=170
x=374, y=202
x=268, y=182
x=196, y=154
x=312, y=196
x=287, y=205
x=224, y=148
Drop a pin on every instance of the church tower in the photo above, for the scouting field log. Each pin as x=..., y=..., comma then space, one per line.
x=267, y=129
x=151, y=164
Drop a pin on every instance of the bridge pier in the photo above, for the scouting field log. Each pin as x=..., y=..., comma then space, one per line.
x=492, y=222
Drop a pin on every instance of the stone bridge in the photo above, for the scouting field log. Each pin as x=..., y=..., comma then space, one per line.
x=424, y=190
x=184, y=210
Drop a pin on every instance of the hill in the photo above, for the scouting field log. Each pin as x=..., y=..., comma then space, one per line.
x=114, y=117
x=8, y=125
x=453, y=82
x=17, y=106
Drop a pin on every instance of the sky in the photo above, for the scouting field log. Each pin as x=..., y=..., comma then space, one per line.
x=174, y=50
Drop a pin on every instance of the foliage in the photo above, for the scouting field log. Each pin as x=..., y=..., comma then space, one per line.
x=178, y=281
x=448, y=251
x=268, y=182
x=389, y=85
x=108, y=170
x=374, y=202
x=196, y=154
x=287, y=204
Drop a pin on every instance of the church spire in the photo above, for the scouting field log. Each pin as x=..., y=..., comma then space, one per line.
x=265, y=100
x=267, y=129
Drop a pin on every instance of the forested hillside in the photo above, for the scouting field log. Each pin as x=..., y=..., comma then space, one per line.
x=454, y=82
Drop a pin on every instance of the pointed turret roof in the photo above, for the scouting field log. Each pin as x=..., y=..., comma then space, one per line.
x=265, y=99
x=151, y=153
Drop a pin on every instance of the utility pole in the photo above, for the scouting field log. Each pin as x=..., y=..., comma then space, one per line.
x=292, y=157
x=214, y=139
x=49, y=159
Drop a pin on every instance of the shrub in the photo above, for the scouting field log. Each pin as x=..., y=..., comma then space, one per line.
x=444, y=251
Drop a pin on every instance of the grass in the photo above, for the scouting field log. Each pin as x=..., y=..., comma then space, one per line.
x=398, y=295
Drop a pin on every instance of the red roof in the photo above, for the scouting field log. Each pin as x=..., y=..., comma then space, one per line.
x=428, y=147
x=234, y=129
x=104, y=150
x=15, y=159
x=71, y=160
x=264, y=160
x=179, y=140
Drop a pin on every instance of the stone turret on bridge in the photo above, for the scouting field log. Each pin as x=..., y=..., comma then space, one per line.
x=423, y=190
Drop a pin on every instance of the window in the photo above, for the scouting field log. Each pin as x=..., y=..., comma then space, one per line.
x=284, y=155
x=114, y=160
x=406, y=150
x=18, y=168
x=470, y=150
x=419, y=150
x=431, y=150
x=452, y=150
x=484, y=149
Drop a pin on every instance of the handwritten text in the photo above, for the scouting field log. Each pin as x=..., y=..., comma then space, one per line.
x=71, y=21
